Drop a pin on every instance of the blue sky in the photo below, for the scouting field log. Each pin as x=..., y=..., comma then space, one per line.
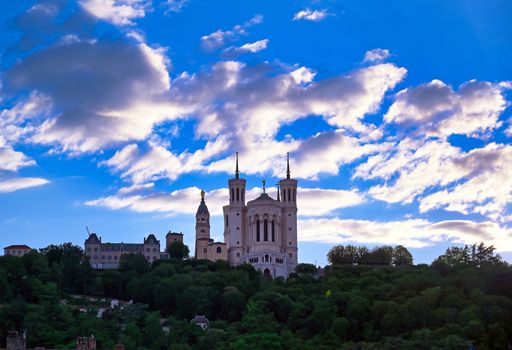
x=115, y=113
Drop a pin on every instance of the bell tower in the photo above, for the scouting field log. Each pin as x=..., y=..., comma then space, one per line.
x=234, y=217
x=202, y=229
x=288, y=189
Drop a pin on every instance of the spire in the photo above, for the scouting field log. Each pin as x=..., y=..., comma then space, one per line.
x=237, y=173
x=202, y=209
x=288, y=165
x=263, y=182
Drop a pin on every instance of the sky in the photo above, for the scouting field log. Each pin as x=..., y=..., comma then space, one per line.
x=114, y=114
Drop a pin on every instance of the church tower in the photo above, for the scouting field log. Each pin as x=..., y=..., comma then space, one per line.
x=234, y=218
x=288, y=189
x=202, y=229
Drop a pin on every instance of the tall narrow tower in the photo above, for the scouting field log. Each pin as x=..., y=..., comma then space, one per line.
x=202, y=229
x=234, y=217
x=288, y=189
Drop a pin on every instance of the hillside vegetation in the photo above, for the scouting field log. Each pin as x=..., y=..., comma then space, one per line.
x=464, y=298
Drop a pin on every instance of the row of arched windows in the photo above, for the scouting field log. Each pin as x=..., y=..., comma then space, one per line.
x=266, y=230
x=289, y=195
x=265, y=258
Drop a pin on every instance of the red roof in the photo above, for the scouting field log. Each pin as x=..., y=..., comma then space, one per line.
x=18, y=246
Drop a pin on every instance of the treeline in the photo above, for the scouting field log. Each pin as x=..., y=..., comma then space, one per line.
x=463, y=299
x=383, y=255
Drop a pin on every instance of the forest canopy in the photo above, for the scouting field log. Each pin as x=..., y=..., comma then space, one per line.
x=365, y=299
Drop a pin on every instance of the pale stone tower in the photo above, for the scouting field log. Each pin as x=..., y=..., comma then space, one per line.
x=235, y=218
x=288, y=189
x=202, y=229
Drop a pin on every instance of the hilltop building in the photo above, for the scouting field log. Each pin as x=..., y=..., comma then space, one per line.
x=262, y=232
x=17, y=250
x=206, y=248
x=107, y=255
x=173, y=237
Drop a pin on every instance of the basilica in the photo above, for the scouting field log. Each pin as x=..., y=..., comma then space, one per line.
x=261, y=232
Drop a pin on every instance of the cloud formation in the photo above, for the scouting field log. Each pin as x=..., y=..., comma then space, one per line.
x=437, y=110
x=376, y=55
x=413, y=233
x=220, y=38
x=119, y=12
x=311, y=15
x=314, y=201
x=16, y=184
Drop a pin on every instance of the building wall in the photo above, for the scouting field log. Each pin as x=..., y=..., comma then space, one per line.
x=16, y=252
x=107, y=255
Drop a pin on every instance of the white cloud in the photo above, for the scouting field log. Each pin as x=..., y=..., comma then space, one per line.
x=414, y=166
x=220, y=38
x=185, y=201
x=414, y=233
x=12, y=160
x=249, y=47
x=12, y=185
x=376, y=55
x=311, y=15
x=174, y=5
x=156, y=162
x=436, y=109
x=488, y=189
x=119, y=12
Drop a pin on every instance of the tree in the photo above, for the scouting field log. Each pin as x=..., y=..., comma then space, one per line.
x=339, y=255
x=133, y=262
x=401, y=256
x=475, y=255
x=178, y=250
x=306, y=268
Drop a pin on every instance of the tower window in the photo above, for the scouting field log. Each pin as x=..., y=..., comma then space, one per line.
x=289, y=195
x=237, y=194
x=258, y=230
x=265, y=230
x=227, y=221
x=243, y=195
x=284, y=195
x=232, y=195
x=273, y=231
x=294, y=195
x=219, y=250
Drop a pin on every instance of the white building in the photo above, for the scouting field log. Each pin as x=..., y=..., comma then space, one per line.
x=262, y=232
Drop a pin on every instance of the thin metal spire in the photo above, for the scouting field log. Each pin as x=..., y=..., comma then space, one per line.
x=288, y=165
x=237, y=173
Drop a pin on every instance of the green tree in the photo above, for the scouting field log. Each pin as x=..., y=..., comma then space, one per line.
x=178, y=250
x=401, y=256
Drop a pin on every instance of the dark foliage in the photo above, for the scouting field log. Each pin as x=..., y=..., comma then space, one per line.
x=453, y=304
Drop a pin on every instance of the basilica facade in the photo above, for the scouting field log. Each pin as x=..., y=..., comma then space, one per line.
x=261, y=232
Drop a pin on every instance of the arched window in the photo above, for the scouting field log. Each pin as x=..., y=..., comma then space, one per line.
x=265, y=230
x=219, y=250
x=273, y=230
x=284, y=195
x=232, y=194
x=237, y=194
x=266, y=258
x=257, y=230
x=294, y=195
x=243, y=195
x=289, y=196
